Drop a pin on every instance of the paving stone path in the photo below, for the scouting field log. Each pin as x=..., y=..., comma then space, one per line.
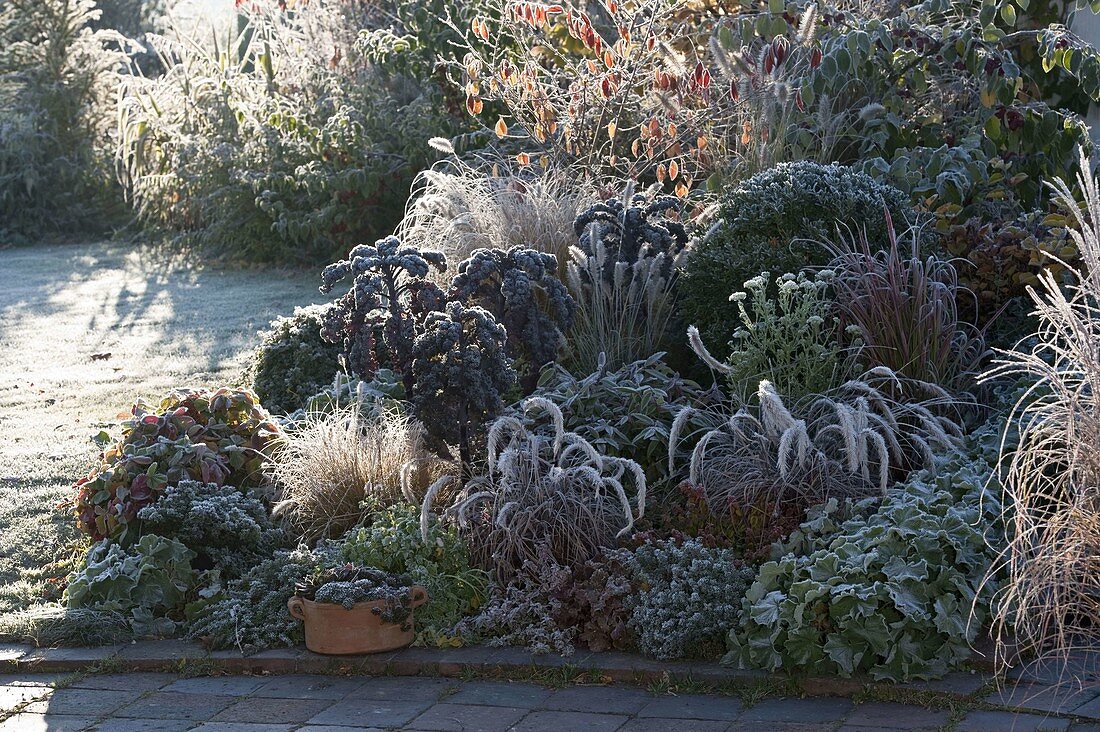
x=159, y=702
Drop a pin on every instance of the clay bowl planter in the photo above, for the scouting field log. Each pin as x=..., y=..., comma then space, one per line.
x=333, y=629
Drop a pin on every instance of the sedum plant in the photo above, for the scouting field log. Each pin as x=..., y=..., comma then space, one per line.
x=223, y=437
x=900, y=593
x=389, y=295
x=520, y=288
x=789, y=340
x=348, y=585
x=148, y=582
x=293, y=362
x=541, y=489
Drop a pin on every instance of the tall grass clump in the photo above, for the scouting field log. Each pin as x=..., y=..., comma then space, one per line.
x=1050, y=601
x=459, y=206
x=58, y=79
x=904, y=308
x=550, y=493
x=337, y=461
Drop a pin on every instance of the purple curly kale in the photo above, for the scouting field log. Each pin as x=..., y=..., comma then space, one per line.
x=521, y=289
x=639, y=229
x=377, y=319
x=461, y=372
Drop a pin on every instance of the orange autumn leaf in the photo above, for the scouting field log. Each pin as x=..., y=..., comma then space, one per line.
x=673, y=170
x=501, y=128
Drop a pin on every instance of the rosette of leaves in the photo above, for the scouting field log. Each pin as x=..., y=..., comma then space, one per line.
x=376, y=320
x=348, y=585
x=631, y=228
x=899, y=593
x=148, y=582
x=688, y=597
x=441, y=564
x=520, y=288
x=293, y=361
x=225, y=527
x=462, y=372
x=223, y=437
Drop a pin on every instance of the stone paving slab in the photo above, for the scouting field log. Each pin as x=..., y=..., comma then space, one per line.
x=167, y=702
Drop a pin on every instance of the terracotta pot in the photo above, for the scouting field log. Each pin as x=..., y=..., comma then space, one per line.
x=335, y=630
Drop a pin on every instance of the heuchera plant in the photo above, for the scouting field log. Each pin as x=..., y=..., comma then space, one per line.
x=376, y=320
x=520, y=289
x=222, y=437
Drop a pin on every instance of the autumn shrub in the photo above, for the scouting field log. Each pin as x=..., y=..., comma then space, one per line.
x=223, y=437
x=775, y=221
x=293, y=362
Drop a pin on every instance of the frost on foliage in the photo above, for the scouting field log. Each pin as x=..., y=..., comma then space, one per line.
x=389, y=295
x=147, y=582
x=554, y=489
x=689, y=597
x=250, y=613
x=632, y=228
x=293, y=361
x=899, y=593
x=229, y=528
x=520, y=288
x=461, y=373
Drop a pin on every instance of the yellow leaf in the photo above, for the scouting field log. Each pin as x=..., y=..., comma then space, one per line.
x=611, y=127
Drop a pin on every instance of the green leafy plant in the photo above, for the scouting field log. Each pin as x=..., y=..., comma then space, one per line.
x=58, y=75
x=440, y=563
x=283, y=140
x=293, y=362
x=790, y=340
x=223, y=437
x=226, y=528
x=773, y=221
x=149, y=582
x=900, y=593
x=348, y=585
x=520, y=288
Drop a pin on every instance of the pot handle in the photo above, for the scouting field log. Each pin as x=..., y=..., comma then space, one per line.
x=419, y=596
x=296, y=608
